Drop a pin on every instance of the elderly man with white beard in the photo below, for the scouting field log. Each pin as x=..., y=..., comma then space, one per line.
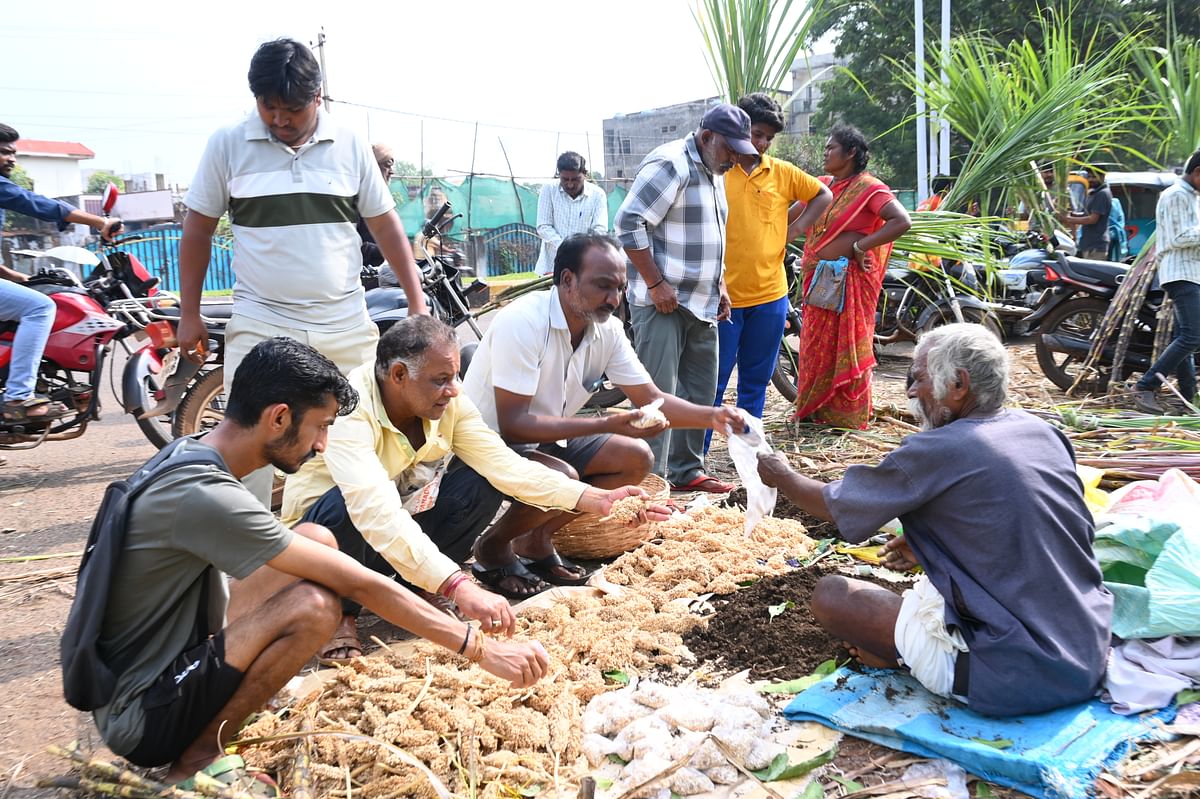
x=1010, y=616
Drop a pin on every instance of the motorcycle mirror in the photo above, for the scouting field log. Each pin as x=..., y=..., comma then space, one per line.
x=109, y=198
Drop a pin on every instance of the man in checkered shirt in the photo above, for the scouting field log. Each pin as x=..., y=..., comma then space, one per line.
x=672, y=226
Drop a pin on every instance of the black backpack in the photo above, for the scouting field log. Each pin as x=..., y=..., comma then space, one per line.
x=88, y=681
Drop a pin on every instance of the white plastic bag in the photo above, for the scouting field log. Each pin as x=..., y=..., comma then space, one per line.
x=743, y=451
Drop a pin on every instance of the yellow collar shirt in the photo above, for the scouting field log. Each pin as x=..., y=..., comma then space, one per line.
x=366, y=454
x=756, y=233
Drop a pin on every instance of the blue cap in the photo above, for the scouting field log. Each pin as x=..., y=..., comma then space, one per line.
x=733, y=123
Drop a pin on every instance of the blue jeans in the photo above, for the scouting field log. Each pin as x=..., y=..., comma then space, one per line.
x=1177, y=357
x=35, y=313
x=749, y=340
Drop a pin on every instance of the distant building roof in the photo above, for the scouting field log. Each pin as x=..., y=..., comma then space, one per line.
x=58, y=149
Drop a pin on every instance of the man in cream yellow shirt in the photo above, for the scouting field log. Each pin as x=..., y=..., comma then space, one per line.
x=388, y=490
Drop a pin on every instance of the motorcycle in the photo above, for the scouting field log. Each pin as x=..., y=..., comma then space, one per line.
x=92, y=316
x=1078, y=295
x=201, y=403
x=911, y=302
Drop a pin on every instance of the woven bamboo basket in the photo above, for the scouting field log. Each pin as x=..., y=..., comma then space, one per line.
x=586, y=536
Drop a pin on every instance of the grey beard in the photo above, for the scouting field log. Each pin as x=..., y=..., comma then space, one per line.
x=925, y=422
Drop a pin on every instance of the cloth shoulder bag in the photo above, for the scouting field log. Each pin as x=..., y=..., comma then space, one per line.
x=827, y=289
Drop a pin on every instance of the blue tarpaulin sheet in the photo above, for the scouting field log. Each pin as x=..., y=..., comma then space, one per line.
x=1056, y=755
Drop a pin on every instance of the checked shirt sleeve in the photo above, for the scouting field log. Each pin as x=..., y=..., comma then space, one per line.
x=654, y=191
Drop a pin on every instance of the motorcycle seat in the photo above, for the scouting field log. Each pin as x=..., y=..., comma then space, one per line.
x=383, y=300
x=1104, y=272
x=215, y=310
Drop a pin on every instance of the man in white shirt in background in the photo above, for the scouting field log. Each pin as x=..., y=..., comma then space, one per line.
x=1178, y=243
x=572, y=206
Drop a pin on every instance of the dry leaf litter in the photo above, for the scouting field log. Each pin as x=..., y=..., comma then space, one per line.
x=471, y=728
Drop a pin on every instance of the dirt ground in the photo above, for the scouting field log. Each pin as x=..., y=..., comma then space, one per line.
x=743, y=634
x=48, y=497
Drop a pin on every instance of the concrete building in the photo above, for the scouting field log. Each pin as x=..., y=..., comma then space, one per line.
x=809, y=72
x=629, y=137
x=54, y=166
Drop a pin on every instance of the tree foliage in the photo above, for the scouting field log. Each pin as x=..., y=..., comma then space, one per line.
x=876, y=35
x=99, y=180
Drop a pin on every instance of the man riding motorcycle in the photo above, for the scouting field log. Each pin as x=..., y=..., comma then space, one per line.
x=33, y=310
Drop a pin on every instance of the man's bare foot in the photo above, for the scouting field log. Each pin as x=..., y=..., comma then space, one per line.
x=344, y=646
x=866, y=658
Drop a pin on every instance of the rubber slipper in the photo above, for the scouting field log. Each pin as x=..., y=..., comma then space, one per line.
x=340, y=642
x=231, y=770
x=544, y=568
x=493, y=579
x=18, y=412
x=707, y=484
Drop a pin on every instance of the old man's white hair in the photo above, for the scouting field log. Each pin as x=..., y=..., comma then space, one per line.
x=973, y=349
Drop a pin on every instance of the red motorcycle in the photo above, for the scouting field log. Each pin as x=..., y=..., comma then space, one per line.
x=116, y=304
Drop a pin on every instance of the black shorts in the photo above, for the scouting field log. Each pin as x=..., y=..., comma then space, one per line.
x=578, y=452
x=183, y=700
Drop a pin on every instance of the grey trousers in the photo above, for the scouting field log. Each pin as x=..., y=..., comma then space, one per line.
x=680, y=352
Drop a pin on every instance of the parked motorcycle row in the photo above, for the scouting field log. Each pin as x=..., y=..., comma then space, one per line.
x=1036, y=287
x=119, y=305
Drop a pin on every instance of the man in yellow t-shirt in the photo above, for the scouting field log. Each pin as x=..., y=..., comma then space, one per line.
x=771, y=202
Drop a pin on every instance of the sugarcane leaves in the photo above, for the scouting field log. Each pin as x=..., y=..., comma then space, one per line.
x=750, y=45
x=802, y=683
x=780, y=769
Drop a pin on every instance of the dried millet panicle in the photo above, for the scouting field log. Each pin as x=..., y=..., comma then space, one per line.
x=583, y=634
x=625, y=510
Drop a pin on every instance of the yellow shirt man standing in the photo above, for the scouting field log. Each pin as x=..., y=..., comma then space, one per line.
x=771, y=202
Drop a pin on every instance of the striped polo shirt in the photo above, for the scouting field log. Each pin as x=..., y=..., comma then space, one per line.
x=296, y=255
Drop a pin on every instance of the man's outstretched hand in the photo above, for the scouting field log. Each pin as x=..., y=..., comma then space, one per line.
x=520, y=662
x=772, y=468
x=491, y=610
x=653, y=512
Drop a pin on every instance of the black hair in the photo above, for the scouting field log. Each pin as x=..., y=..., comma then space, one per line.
x=762, y=109
x=1192, y=163
x=569, y=257
x=281, y=370
x=851, y=138
x=285, y=70
x=941, y=183
x=8, y=134
x=408, y=340
x=571, y=162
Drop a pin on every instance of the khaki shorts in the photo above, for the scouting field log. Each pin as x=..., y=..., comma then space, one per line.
x=348, y=349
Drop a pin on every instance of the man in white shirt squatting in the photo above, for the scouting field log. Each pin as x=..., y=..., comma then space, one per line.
x=538, y=363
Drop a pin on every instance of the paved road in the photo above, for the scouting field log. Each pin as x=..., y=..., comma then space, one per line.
x=48, y=497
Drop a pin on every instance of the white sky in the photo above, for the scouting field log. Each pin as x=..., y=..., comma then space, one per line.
x=144, y=84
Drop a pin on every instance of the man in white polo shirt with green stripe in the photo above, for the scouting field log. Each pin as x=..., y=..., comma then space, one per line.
x=294, y=183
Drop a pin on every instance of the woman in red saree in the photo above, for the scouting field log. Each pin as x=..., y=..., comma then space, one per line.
x=836, y=349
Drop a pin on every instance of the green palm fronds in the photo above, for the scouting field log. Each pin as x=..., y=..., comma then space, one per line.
x=1020, y=103
x=1172, y=75
x=750, y=45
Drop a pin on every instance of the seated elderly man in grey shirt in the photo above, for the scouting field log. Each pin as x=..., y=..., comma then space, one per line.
x=1011, y=616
